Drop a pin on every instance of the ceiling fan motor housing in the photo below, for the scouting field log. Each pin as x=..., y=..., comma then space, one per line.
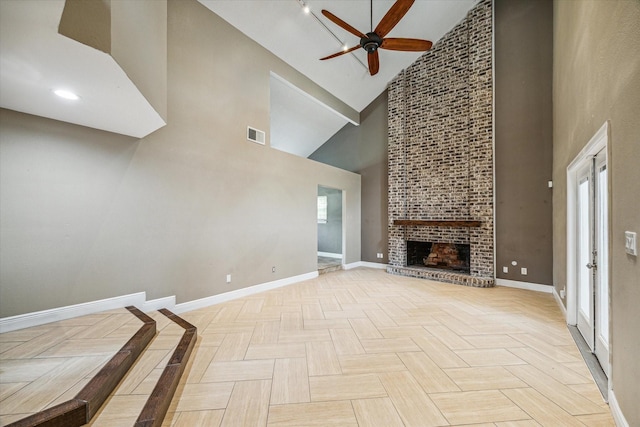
x=371, y=42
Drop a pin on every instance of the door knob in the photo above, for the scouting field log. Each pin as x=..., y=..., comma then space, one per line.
x=590, y=265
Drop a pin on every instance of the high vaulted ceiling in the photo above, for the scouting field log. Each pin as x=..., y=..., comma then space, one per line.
x=36, y=59
x=282, y=27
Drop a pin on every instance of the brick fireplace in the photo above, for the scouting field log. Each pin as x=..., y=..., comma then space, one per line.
x=441, y=153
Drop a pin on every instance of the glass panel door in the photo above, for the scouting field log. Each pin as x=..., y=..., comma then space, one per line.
x=593, y=256
x=585, y=248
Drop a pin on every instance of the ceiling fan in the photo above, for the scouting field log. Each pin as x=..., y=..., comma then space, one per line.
x=375, y=39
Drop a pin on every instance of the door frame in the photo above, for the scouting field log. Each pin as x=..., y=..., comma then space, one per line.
x=597, y=143
x=343, y=192
x=601, y=347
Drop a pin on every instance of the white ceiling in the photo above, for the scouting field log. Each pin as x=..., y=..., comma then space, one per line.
x=283, y=28
x=35, y=60
x=299, y=123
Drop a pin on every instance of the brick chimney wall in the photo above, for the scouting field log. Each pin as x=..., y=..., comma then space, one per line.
x=441, y=143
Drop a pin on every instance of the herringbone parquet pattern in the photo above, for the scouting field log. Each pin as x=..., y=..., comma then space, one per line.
x=364, y=348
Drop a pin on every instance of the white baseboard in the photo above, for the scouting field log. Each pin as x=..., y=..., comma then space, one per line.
x=525, y=285
x=364, y=264
x=21, y=321
x=616, y=412
x=239, y=293
x=330, y=255
x=157, y=304
x=559, y=301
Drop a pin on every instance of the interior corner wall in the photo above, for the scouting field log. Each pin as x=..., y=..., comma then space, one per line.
x=523, y=139
x=87, y=215
x=139, y=46
x=596, y=78
x=363, y=149
x=88, y=22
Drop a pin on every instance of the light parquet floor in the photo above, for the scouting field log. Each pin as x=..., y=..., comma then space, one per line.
x=46, y=365
x=364, y=348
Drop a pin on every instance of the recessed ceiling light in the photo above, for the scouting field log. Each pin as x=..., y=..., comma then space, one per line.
x=66, y=94
x=345, y=47
x=305, y=7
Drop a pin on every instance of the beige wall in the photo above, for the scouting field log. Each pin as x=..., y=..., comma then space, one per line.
x=86, y=214
x=139, y=46
x=597, y=78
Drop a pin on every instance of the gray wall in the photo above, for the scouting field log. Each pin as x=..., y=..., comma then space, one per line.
x=596, y=77
x=330, y=233
x=86, y=215
x=363, y=149
x=523, y=139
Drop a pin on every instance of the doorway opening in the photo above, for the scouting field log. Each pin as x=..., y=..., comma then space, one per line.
x=330, y=229
x=588, y=247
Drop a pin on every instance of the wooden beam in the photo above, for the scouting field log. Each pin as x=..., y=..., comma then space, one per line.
x=437, y=223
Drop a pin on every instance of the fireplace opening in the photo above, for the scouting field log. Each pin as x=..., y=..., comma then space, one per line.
x=446, y=256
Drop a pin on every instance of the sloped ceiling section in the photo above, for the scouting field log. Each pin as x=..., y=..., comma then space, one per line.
x=299, y=39
x=35, y=60
x=300, y=123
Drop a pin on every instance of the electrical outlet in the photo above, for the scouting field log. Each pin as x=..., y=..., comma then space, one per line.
x=379, y=255
x=562, y=293
x=505, y=269
x=228, y=278
x=523, y=271
x=273, y=269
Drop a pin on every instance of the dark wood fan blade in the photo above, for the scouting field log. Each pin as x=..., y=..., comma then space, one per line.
x=393, y=16
x=374, y=62
x=340, y=53
x=339, y=22
x=411, y=45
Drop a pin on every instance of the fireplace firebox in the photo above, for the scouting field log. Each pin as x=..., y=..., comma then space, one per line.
x=446, y=256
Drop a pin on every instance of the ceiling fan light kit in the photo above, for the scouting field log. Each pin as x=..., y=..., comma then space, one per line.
x=375, y=39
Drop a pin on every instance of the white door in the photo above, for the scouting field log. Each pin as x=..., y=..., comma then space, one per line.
x=592, y=256
x=586, y=323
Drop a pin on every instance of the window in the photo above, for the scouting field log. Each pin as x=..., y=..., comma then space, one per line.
x=322, y=209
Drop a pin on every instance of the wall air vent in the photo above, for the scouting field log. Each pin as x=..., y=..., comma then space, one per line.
x=255, y=135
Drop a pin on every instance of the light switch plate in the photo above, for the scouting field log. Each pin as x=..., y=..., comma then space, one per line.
x=630, y=243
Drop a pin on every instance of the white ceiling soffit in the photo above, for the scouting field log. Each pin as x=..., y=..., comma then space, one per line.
x=35, y=60
x=300, y=124
x=282, y=27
